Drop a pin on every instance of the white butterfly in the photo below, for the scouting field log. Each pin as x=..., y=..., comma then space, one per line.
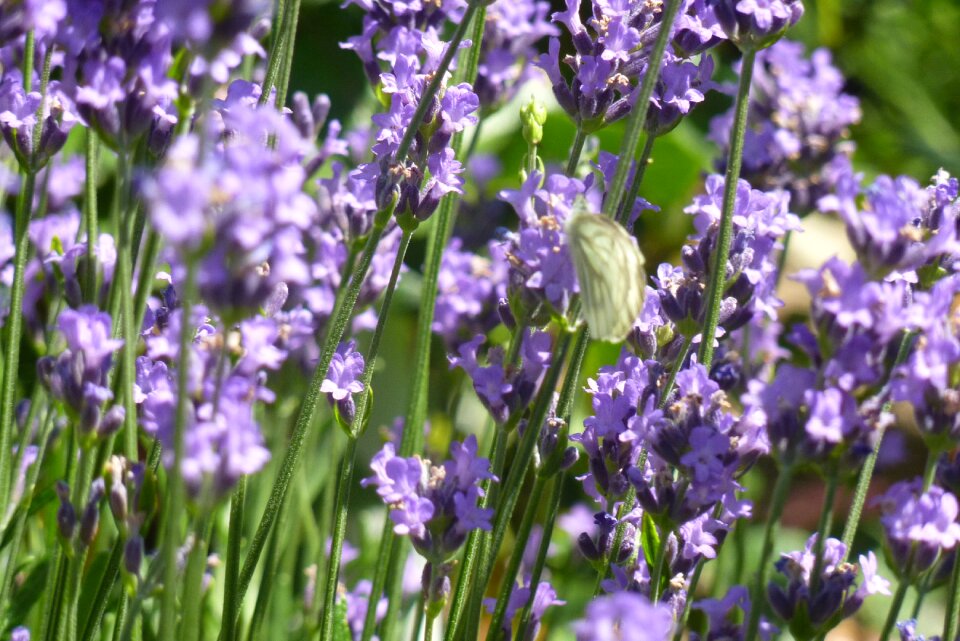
x=610, y=271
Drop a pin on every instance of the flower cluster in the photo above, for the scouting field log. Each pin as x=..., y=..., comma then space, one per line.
x=435, y=505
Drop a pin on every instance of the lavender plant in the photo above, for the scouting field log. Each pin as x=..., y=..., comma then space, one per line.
x=198, y=253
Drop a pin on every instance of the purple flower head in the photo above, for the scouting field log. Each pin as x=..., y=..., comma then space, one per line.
x=755, y=24
x=505, y=388
x=798, y=123
x=343, y=379
x=726, y=617
x=919, y=525
x=357, y=601
x=908, y=632
x=818, y=603
x=544, y=598
x=435, y=505
x=470, y=288
x=625, y=615
x=18, y=120
x=20, y=633
x=209, y=25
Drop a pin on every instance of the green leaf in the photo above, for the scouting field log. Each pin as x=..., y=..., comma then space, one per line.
x=649, y=539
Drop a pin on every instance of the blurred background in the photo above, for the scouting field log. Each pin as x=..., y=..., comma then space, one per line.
x=901, y=58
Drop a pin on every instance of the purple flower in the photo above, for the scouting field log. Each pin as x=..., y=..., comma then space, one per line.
x=544, y=598
x=20, y=633
x=755, y=24
x=435, y=505
x=18, y=118
x=908, y=632
x=726, y=617
x=627, y=616
x=919, y=525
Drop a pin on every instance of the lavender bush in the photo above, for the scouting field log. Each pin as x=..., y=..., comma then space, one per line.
x=195, y=255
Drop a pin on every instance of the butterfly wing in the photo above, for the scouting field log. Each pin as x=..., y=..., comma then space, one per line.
x=609, y=268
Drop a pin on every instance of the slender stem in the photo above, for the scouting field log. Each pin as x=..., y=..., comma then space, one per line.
x=288, y=55
x=626, y=205
x=235, y=536
x=895, y=606
x=952, y=617
x=127, y=331
x=780, y=492
x=866, y=472
x=349, y=459
x=718, y=272
x=29, y=48
x=930, y=469
x=516, y=557
x=473, y=552
x=90, y=213
x=192, y=580
x=437, y=80
x=657, y=570
x=100, y=600
x=576, y=151
x=339, y=532
x=14, y=327
x=342, y=312
x=148, y=259
x=175, y=487
x=637, y=121
x=553, y=508
x=277, y=49
x=67, y=626
x=823, y=526
x=510, y=492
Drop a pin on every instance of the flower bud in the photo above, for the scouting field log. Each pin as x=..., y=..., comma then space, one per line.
x=533, y=115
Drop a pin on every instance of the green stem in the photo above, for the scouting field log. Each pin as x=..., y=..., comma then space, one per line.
x=823, y=526
x=344, y=481
x=100, y=600
x=780, y=492
x=90, y=214
x=952, y=617
x=474, y=548
x=576, y=151
x=657, y=570
x=14, y=327
x=349, y=460
x=718, y=272
x=229, y=620
x=626, y=205
x=637, y=121
x=127, y=331
x=866, y=472
x=516, y=557
x=930, y=469
x=553, y=508
x=437, y=80
x=148, y=259
x=895, y=606
x=277, y=50
x=175, y=488
x=29, y=49
x=192, y=580
x=67, y=627
x=510, y=491
x=288, y=55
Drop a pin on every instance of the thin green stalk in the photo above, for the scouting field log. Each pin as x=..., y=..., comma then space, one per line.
x=14, y=327
x=388, y=557
x=91, y=624
x=637, y=121
x=176, y=491
x=894, y=611
x=277, y=49
x=930, y=469
x=29, y=485
x=67, y=625
x=866, y=472
x=348, y=462
x=266, y=587
x=473, y=550
x=437, y=80
x=342, y=312
x=952, y=617
x=344, y=481
x=780, y=492
x=90, y=213
x=553, y=508
x=191, y=601
x=148, y=259
x=288, y=55
x=823, y=526
x=513, y=484
x=718, y=272
x=626, y=205
x=657, y=570
x=29, y=49
x=516, y=558
x=229, y=620
x=576, y=151
x=124, y=285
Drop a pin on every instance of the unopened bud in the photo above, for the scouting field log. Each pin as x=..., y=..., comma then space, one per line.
x=533, y=115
